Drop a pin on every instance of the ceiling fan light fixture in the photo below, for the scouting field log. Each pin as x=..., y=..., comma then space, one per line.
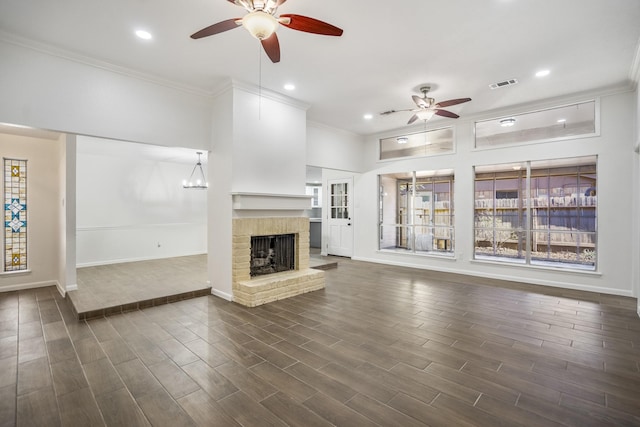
x=507, y=122
x=425, y=114
x=260, y=25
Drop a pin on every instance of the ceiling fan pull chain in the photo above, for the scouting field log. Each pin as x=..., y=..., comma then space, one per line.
x=259, y=81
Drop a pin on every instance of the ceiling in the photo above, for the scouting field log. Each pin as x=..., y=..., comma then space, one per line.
x=387, y=52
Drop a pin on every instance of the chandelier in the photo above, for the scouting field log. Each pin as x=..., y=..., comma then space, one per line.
x=196, y=179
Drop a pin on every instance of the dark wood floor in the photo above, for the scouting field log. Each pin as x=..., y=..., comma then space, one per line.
x=379, y=346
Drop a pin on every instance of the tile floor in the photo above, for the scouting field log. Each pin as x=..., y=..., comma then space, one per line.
x=381, y=345
x=116, y=288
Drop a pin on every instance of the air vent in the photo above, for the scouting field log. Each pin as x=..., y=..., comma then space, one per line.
x=503, y=84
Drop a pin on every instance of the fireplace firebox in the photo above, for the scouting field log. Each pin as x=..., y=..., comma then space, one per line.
x=272, y=254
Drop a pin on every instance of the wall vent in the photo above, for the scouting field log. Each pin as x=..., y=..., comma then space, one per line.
x=503, y=84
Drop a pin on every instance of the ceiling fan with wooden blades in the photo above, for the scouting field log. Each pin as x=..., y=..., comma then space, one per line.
x=428, y=107
x=261, y=21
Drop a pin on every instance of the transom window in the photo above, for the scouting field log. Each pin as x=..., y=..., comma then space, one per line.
x=427, y=143
x=569, y=121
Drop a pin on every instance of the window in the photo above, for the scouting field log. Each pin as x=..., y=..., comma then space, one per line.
x=339, y=200
x=315, y=191
x=427, y=143
x=554, y=226
x=15, y=215
x=416, y=212
x=551, y=124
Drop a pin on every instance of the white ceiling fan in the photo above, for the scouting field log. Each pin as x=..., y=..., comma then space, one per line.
x=428, y=107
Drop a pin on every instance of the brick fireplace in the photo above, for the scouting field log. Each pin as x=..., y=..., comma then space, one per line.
x=254, y=291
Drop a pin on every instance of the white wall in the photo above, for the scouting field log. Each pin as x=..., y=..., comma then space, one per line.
x=44, y=206
x=67, y=224
x=635, y=188
x=51, y=92
x=132, y=208
x=269, y=143
x=219, y=238
x=616, y=245
x=333, y=148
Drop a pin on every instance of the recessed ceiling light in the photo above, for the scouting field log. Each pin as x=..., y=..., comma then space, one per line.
x=543, y=73
x=289, y=86
x=507, y=122
x=368, y=116
x=144, y=35
x=562, y=120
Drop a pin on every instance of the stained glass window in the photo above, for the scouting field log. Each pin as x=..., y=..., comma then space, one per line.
x=15, y=214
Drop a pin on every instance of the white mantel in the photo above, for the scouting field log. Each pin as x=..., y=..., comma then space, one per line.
x=270, y=202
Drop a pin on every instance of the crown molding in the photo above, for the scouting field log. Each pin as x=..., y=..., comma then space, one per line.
x=57, y=52
x=269, y=94
x=318, y=125
x=232, y=84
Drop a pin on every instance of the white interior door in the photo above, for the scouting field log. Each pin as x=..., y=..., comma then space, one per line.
x=339, y=217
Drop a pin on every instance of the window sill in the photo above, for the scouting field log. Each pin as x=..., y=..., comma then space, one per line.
x=14, y=273
x=426, y=254
x=555, y=269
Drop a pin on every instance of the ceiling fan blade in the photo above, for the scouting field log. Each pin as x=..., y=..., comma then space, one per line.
x=384, y=113
x=445, y=113
x=220, y=27
x=412, y=119
x=272, y=48
x=451, y=102
x=310, y=25
x=280, y=2
x=420, y=102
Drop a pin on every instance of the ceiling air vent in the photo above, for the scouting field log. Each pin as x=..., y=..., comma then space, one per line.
x=503, y=84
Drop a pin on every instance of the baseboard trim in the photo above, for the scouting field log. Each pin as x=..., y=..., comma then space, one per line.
x=125, y=260
x=33, y=285
x=62, y=291
x=221, y=294
x=549, y=283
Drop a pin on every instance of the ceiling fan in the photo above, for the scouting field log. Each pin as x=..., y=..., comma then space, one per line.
x=428, y=107
x=262, y=23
